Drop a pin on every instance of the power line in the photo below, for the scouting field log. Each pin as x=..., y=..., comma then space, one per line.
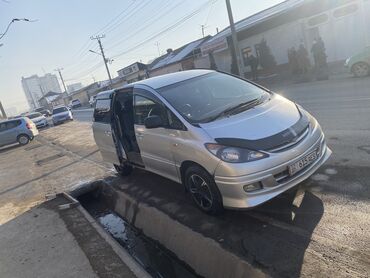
x=144, y=25
x=169, y=28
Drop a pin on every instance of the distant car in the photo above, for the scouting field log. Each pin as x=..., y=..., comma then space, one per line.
x=359, y=64
x=75, y=103
x=43, y=111
x=92, y=100
x=61, y=114
x=38, y=119
x=21, y=130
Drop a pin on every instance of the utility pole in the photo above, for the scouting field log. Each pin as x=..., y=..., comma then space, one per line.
x=3, y=114
x=61, y=78
x=235, y=49
x=159, y=52
x=98, y=38
x=203, y=27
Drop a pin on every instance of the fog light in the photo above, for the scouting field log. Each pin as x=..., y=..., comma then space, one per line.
x=252, y=187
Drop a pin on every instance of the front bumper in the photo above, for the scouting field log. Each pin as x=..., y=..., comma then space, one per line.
x=62, y=120
x=234, y=196
x=41, y=124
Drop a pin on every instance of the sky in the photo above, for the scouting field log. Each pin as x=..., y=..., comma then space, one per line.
x=60, y=35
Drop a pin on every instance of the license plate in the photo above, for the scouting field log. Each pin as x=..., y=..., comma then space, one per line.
x=304, y=162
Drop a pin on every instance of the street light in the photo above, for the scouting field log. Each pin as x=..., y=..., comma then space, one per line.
x=11, y=22
x=106, y=59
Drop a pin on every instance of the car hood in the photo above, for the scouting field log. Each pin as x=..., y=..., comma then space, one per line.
x=62, y=114
x=38, y=119
x=262, y=127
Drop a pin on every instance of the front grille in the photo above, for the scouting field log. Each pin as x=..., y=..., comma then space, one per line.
x=292, y=143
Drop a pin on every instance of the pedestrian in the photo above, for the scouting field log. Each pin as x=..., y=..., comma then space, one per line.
x=293, y=61
x=303, y=60
x=253, y=62
x=315, y=53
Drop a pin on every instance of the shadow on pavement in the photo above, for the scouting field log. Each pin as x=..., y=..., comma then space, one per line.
x=273, y=237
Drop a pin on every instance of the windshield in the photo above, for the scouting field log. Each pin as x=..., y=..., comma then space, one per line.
x=203, y=98
x=34, y=115
x=59, y=110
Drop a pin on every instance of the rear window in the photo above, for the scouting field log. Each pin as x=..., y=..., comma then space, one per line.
x=34, y=115
x=75, y=100
x=59, y=110
x=102, y=112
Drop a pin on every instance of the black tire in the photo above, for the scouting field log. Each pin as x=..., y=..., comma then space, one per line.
x=23, y=139
x=203, y=190
x=123, y=170
x=360, y=69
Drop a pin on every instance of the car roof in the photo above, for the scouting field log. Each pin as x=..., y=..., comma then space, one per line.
x=159, y=81
x=171, y=78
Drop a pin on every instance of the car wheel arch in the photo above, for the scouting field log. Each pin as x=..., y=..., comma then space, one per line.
x=185, y=165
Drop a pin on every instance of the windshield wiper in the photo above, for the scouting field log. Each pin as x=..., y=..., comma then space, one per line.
x=233, y=110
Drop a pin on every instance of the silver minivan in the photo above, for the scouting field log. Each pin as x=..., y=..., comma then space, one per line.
x=231, y=143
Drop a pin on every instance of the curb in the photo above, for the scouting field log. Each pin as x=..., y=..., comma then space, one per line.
x=206, y=256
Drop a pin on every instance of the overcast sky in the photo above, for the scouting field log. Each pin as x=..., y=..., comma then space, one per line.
x=60, y=36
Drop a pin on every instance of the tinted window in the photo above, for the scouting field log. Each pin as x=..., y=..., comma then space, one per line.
x=9, y=125
x=60, y=110
x=145, y=107
x=102, y=112
x=199, y=99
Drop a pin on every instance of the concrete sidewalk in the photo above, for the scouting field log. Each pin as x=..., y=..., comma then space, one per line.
x=37, y=239
x=46, y=242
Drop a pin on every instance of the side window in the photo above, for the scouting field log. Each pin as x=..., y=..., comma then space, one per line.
x=145, y=107
x=102, y=112
x=10, y=125
x=174, y=122
x=2, y=127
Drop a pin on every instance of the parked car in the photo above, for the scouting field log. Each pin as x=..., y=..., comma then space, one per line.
x=38, y=119
x=359, y=64
x=61, y=114
x=230, y=142
x=92, y=100
x=43, y=111
x=21, y=130
x=75, y=103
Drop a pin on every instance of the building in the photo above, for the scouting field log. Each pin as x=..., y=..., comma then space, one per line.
x=343, y=25
x=35, y=87
x=74, y=87
x=51, y=99
x=180, y=59
x=133, y=73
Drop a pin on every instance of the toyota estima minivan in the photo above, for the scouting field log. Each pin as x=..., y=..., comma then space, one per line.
x=231, y=143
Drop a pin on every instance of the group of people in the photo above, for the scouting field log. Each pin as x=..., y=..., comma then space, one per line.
x=299, y=60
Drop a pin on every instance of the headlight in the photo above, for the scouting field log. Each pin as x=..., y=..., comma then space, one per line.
x=233, y=154
x=346, y=62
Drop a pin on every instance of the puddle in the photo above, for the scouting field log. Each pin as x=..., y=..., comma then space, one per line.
x=153, y=257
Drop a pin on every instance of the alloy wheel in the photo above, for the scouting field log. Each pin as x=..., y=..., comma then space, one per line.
x=361, y=69
x=200, y=191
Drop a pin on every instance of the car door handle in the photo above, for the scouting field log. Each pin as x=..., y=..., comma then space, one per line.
x=108, y=133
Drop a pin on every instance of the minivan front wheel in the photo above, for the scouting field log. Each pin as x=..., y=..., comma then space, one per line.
x=123, y=170
x=23, y=139
x=203, y=190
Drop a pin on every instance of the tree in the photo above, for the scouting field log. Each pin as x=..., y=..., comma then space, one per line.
x=267, y=60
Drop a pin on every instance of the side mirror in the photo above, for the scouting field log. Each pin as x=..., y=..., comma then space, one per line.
x=153, y=122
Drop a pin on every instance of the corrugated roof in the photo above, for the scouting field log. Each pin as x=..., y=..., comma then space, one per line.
x=259, y=18
x=178, y=54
